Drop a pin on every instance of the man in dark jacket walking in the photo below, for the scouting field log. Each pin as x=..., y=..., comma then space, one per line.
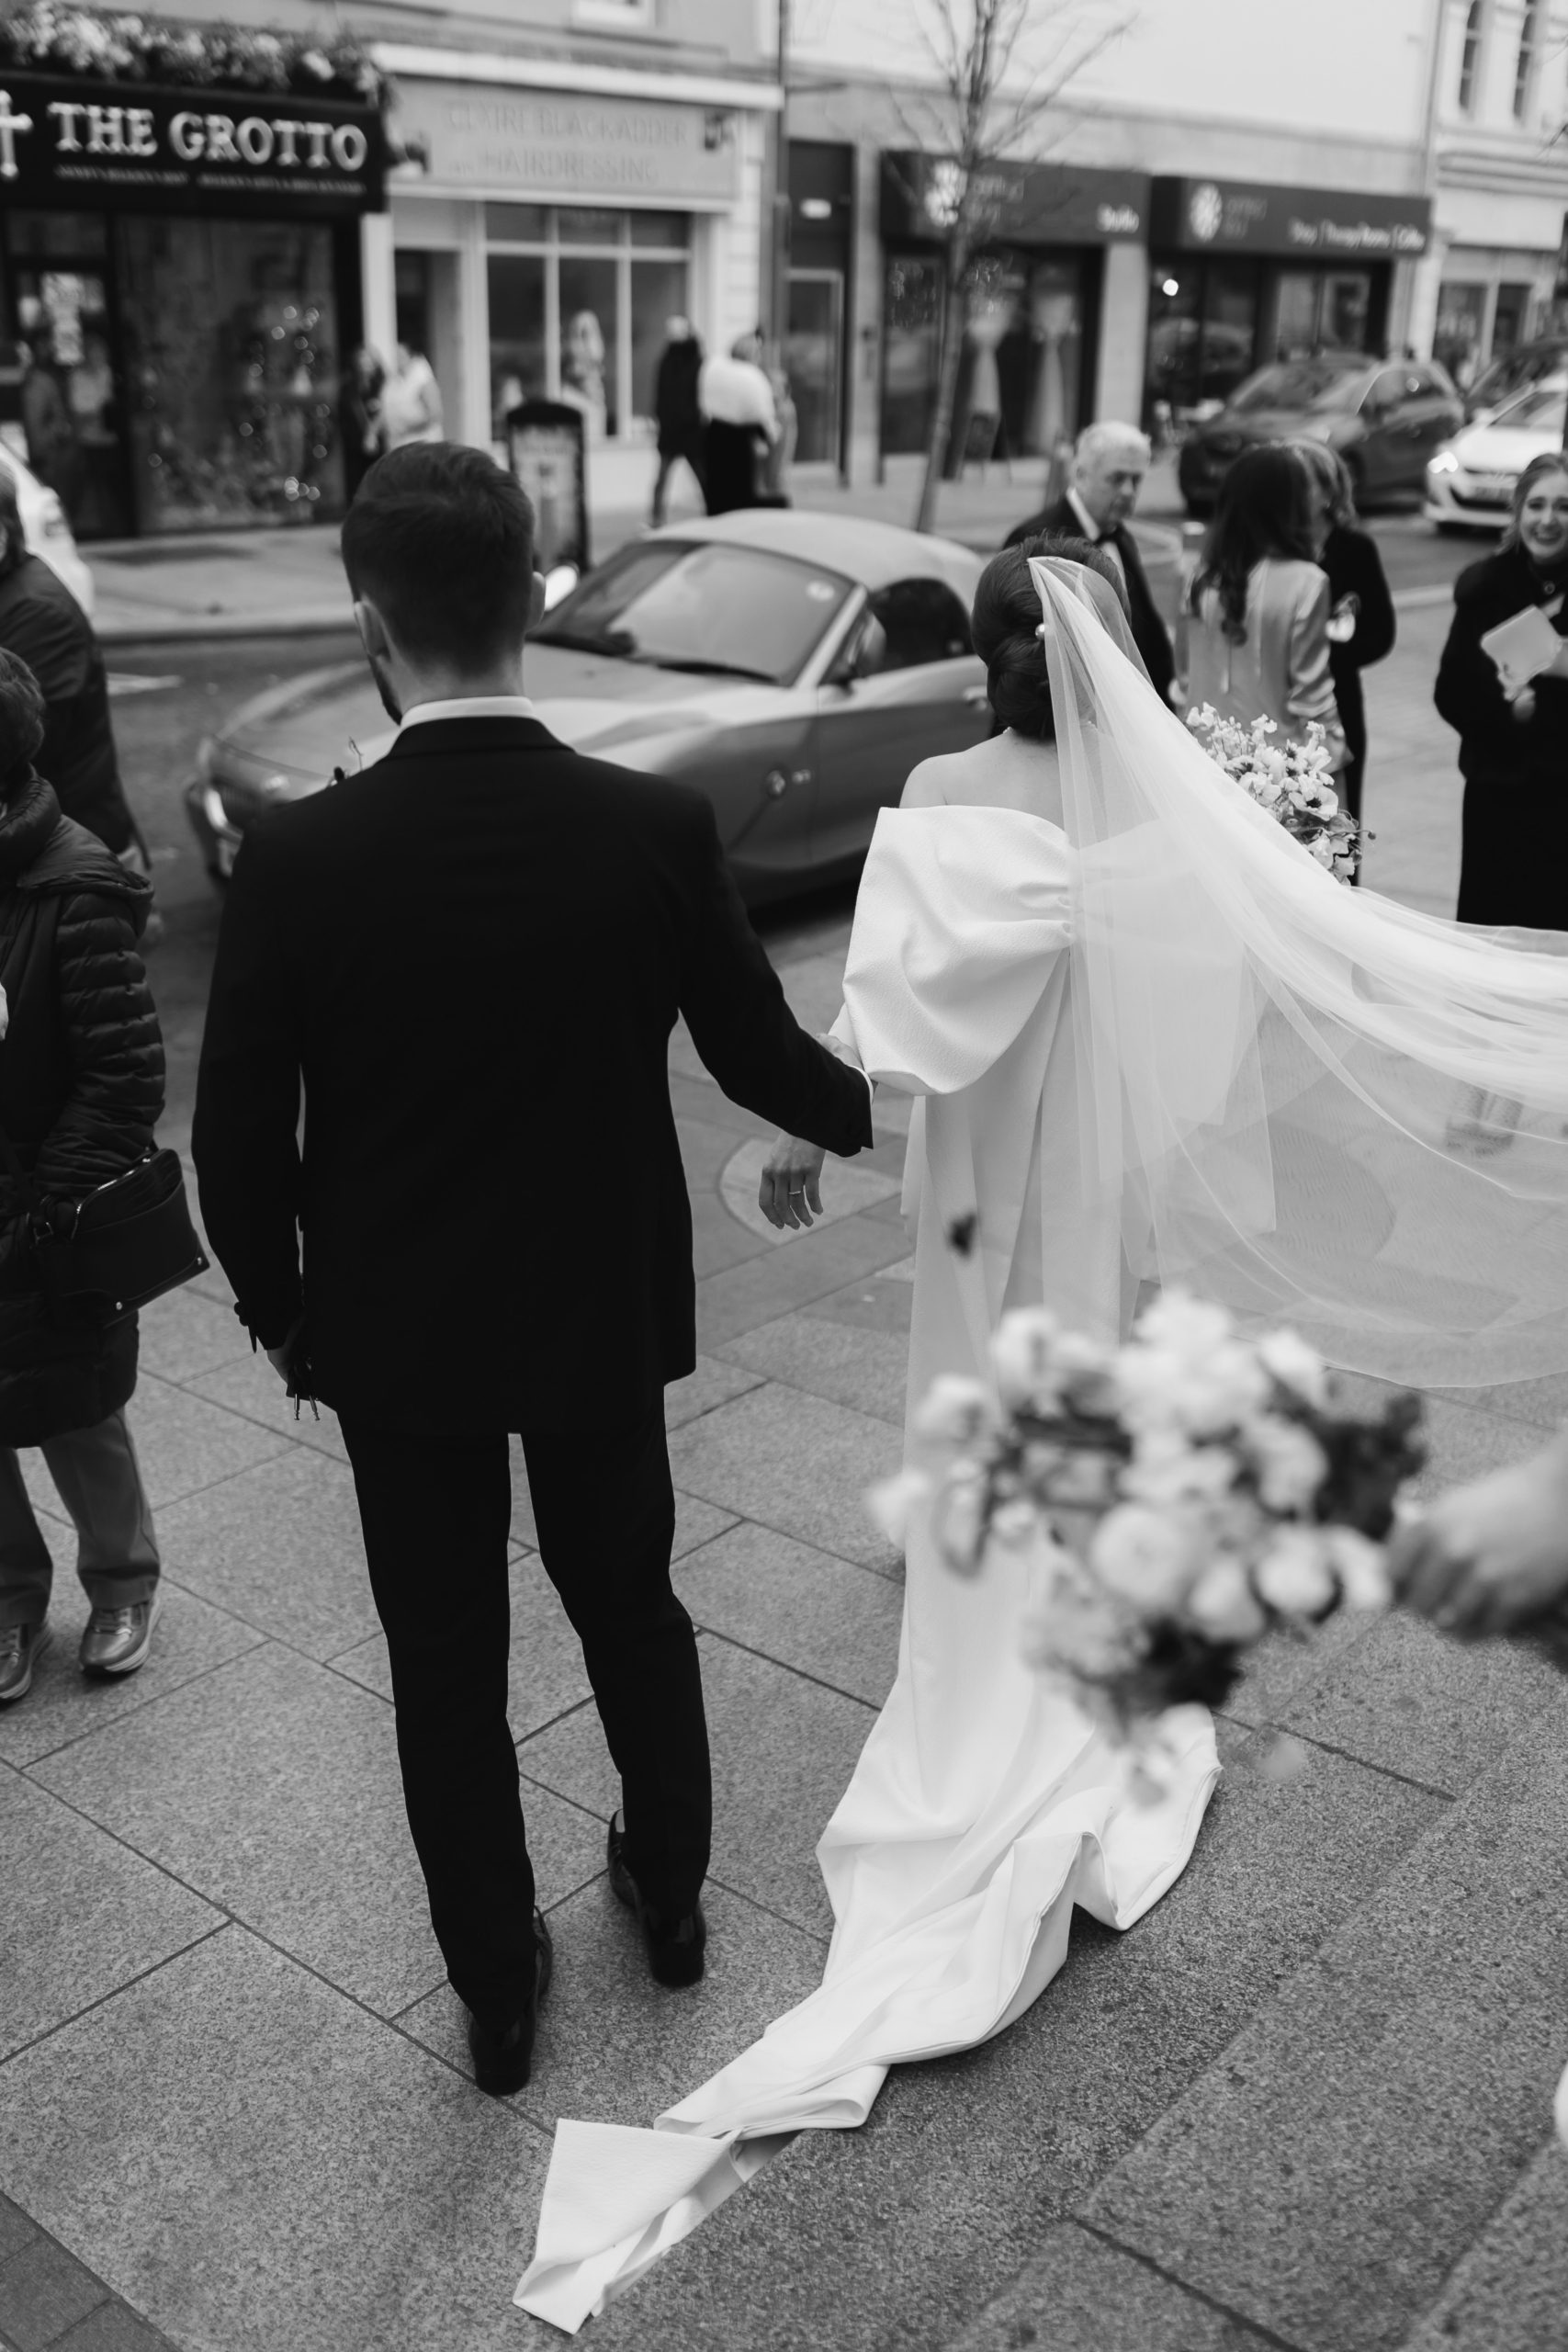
x=1108, y=465
x=676, y=409
x=43, y=625
x=81, y=1092
x=469, y=958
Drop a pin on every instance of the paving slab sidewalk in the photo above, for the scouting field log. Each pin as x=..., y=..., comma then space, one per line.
x=1305, y=2104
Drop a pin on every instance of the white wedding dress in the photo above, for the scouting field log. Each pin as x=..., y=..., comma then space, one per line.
x=1151, y=1039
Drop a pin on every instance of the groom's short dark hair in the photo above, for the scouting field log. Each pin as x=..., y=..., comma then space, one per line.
x=441, y=539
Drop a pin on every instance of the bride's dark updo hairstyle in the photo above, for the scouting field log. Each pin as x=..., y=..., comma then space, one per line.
x=1005, y=626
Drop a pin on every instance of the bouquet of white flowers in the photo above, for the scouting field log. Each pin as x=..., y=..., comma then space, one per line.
x=1193, y=1488
x=1294, y=781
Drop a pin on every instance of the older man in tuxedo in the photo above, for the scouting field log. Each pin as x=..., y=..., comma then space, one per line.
x=1108, y=465
x=469, y=959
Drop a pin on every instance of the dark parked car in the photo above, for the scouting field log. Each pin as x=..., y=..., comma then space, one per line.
x=1385, y=417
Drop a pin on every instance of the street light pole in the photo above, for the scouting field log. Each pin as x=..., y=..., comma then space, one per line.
x=778, y=289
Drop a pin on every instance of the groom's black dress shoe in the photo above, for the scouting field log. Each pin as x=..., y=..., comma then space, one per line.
x=501, y=2060
x=675, y=1947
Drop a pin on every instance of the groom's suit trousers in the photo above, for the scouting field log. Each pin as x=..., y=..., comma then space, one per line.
x=436, y=1513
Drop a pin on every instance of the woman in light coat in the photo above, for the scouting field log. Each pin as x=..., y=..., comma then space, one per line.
x=1257, y=612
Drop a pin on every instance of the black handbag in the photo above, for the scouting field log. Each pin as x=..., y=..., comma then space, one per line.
x=121, y=1246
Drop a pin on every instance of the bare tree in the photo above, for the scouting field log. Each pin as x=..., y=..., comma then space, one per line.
x=997, y=69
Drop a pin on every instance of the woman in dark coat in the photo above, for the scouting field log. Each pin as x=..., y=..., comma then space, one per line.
x=81, y=1090
x=1513, y=751
x=1360, y=621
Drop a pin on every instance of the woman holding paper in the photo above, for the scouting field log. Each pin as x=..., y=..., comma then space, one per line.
x=1503, y=684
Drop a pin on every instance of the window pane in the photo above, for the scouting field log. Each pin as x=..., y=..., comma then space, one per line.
x=585, y=228
x=911, y=328
x=516, y=331
x=233, y=354
x=923, y=622
x=701, y=607
x=811, y=363
x=667, y=229
x=517, y=224
x=69, y=397
x=659, y=293
x=59, y=236
x=589, y=342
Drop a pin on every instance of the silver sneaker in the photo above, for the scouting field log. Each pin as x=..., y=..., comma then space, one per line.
x=19, y=1646
x=116, y=1640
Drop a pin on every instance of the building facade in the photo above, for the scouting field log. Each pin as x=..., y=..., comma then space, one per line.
x=1499, y=168
x=1218, y=188
x=549, y=185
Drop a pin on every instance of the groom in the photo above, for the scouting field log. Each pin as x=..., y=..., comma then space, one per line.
x=469, y=958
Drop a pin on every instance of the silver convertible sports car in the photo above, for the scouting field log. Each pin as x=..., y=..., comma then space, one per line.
x=793, y=667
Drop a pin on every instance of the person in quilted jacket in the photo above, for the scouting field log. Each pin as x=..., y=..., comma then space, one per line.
x=81, y=1092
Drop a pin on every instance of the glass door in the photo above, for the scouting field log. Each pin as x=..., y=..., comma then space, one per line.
x=73, y=407
x=814, y=362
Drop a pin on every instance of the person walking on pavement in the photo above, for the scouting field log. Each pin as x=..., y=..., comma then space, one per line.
x=1513, y=751
x=42, y=625
x=1110, y=461
x=81, y=1092
x=411, y=398
x=676, y=406
x=458, y=1282
x=1361, y=624
x=738, y=402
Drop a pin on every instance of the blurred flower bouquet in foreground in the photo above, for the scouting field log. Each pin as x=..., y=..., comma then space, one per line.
x=1294, y=781
x=1193, y=1490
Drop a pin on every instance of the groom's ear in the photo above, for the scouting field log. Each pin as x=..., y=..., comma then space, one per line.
x=372, y=629
x=536, y=602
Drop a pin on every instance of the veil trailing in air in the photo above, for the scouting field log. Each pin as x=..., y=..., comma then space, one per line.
x=1314, y=1105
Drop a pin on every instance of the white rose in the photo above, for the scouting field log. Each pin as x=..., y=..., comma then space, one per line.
x=1148, y=1383
x=893, y=1503
x=1293, y=1574
x=1322, y=849
x=1224, y=1605
x=1189, y=1325
x=1165, y=1469
x=1143, y=1555
x=1295, y=1365
x=1359, y=1564
x=1022, y=1351
x=1224, y=1390
x=1291, y=1463
x=956, y=1411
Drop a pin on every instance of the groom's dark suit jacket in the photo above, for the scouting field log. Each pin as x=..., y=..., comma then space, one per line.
x=471, y=956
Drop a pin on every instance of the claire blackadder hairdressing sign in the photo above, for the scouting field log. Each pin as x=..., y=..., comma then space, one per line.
x=127, y=146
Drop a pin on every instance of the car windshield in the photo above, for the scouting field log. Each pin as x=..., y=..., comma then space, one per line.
x=705, y=607
x=1541, y=410
x=1310, y=384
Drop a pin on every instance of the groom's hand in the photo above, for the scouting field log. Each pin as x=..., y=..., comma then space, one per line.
x=790, y=1190
x=282, y=1359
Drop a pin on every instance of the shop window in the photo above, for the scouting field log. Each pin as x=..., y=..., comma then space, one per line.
x=1470, y=54
x=1525, y=63
x=923, y=622
x=1509, y=317
x=69, y=403
x=812, y=361
x=911, y=337
x=1458, y=339
x=234, y=367
x=579, y=298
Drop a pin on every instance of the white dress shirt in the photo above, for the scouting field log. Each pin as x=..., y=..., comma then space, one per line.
x=467, y=706
x=1096, y=534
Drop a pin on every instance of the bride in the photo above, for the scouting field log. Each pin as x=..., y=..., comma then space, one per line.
x=1150, y=1039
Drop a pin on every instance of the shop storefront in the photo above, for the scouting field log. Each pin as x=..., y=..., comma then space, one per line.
x=544, y=238
x=1242, y=273
x=1032, y=342
x=822, y=255
x=179, y=270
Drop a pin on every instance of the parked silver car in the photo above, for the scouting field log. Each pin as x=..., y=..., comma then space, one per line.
x=793, y=667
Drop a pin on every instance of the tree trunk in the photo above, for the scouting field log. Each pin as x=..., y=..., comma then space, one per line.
x=951, y=352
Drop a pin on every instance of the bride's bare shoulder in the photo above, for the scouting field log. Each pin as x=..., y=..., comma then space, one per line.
x=1003, y=771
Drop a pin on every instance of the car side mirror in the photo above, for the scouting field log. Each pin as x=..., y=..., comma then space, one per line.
x=861, y=654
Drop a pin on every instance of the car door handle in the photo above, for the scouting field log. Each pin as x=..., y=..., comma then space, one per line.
x=775, y=783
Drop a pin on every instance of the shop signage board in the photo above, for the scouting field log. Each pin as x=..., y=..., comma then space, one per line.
x=547, y=449
x=1321, y=224
x=567, y=148
x=73, y=144
x=1033, y=204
